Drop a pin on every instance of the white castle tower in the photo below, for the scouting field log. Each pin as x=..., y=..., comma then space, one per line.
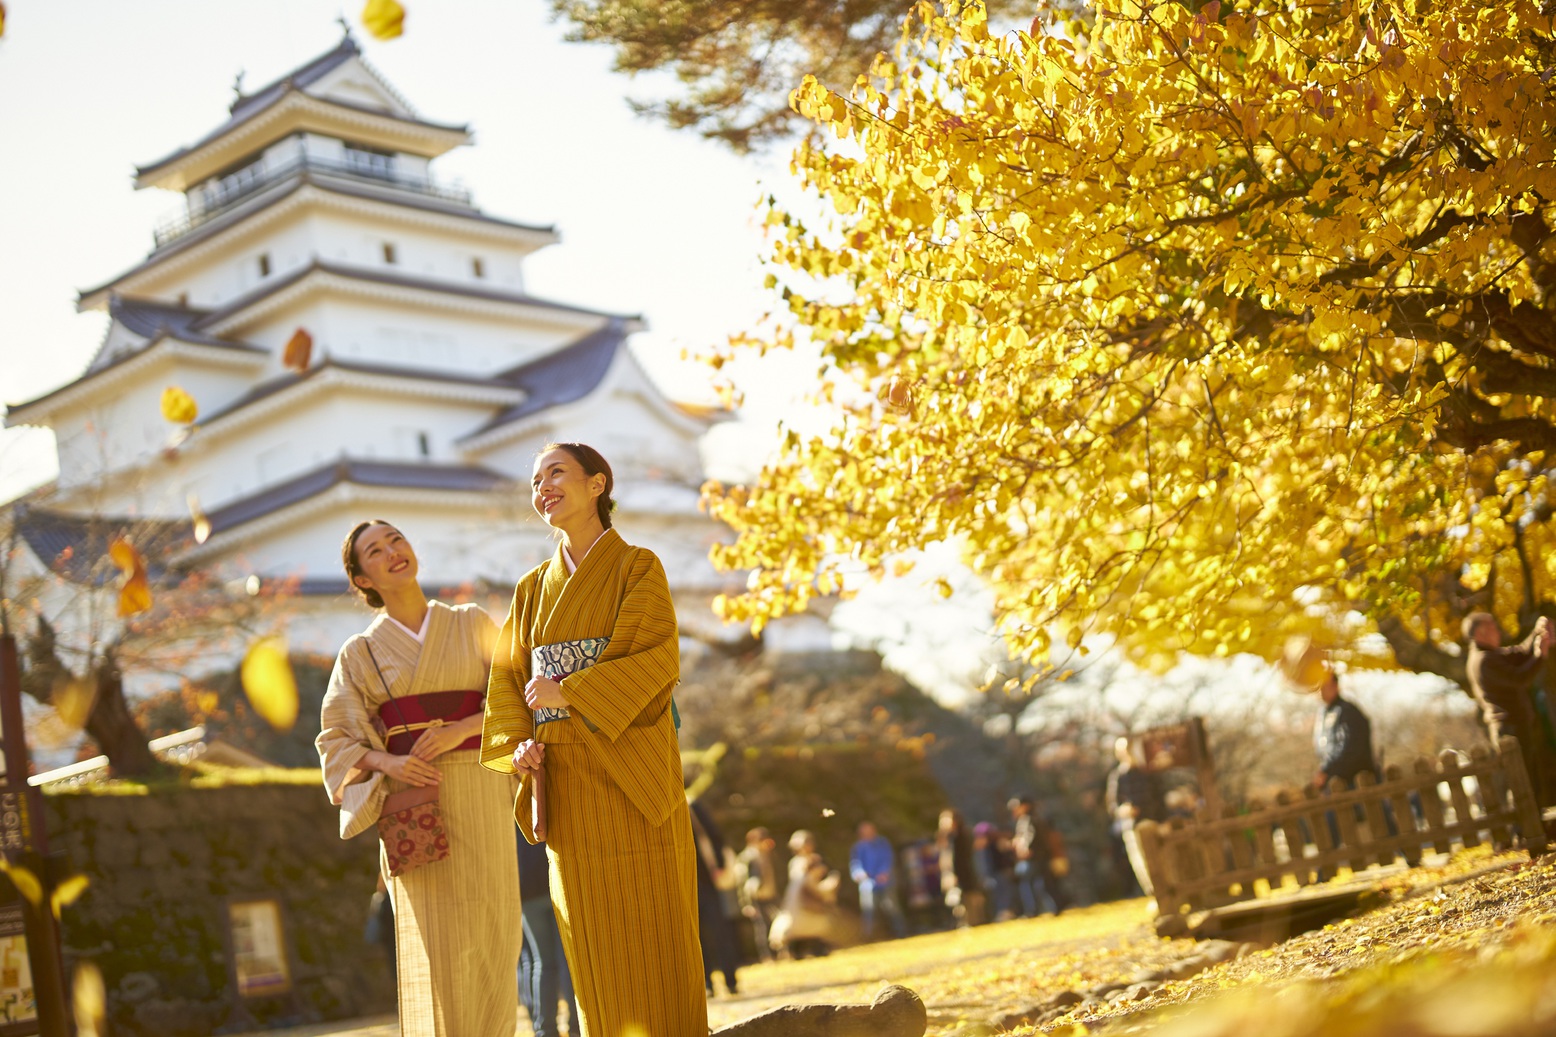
x=432, y=380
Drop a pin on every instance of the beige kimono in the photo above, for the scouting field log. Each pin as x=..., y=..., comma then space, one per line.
x=457, y=926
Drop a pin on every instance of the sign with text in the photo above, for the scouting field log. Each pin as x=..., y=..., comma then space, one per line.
x=1171, y=746
x=258, y=941
x=15, y=837
x=18, y=999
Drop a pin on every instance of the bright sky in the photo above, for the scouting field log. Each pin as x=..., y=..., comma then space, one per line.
x=652, y=220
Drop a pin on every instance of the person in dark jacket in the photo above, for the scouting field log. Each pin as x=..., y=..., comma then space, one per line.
x=713, y=924
x=1133, y=795
x=1342, y=738
x=1502, y=678
x=959, y=880
x=543, y=975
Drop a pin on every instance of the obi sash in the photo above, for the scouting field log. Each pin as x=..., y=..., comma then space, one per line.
x=560, y=659
x=564, y=657
x=406, y=717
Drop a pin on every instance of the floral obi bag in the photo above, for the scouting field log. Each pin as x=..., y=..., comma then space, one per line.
x=410, y=823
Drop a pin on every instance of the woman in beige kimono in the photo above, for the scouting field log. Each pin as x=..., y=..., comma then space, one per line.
x=403, y=710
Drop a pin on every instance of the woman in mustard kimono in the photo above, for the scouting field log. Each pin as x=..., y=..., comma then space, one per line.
x=404, y=710
x=580, y=695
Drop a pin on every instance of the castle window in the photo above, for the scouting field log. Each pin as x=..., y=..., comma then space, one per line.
x=264, y=264
x=477, y=267
x=390, y=256
x=425, y=444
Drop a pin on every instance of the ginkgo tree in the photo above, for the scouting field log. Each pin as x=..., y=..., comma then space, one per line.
x=1197, y=325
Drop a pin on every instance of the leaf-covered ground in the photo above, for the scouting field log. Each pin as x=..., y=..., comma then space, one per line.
x=1464, y=948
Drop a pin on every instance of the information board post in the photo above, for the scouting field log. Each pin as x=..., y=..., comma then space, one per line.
x=23, y=841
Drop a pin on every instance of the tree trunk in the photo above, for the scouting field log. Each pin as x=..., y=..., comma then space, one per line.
x=114, y=729
x=110, y=723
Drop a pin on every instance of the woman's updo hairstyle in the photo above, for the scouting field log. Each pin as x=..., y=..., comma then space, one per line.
x=593, y=463
x=348, y=558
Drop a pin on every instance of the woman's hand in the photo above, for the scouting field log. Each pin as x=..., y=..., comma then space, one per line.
x=529, y=756
x=435, y=741
x=411, y=769
x=545, y=693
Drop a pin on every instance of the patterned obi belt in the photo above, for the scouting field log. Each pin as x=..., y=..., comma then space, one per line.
x=557, y=661
x=403, y=719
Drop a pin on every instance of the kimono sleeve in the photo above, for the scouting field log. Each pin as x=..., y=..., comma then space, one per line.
x=346, y=735
x=643, y=660
x=508, y=718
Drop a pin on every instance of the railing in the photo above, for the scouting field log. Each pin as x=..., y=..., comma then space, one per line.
x=1211, y=862
x=247, y=182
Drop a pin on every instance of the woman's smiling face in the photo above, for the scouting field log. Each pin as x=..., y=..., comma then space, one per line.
x=562, y=492
x=386, y=558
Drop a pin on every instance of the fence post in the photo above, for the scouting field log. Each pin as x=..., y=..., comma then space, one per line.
x=1432, y=804
x=1158, y=865
x=1453, y=774
x=1525, y=806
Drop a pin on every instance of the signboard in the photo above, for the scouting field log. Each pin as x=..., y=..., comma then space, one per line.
x=258, y=941
x=14, y=837
x=1170, y=746
x=18, y=999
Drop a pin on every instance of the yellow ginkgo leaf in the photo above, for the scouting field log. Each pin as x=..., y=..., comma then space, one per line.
x=299, y=350
x=68, y=892
x=385, y=19
x=26, y=882
x=269, y=683
x=2, y=19
x=134, y=589
x=201, y=524
x=89, y=995
x=178, y=406
x=73, y=699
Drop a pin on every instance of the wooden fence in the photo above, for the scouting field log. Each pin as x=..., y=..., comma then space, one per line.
x=1213, y=861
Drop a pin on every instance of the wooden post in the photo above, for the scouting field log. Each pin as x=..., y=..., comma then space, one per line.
x=43, y=940
x=1453, y=774
x=1432, y=806
x=1164, y=881
x=1205, y=767
x=1525, y=806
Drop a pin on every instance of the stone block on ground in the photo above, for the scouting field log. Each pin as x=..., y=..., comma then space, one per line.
x=895, y=1012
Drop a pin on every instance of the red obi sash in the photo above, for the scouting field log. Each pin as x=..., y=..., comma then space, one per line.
x=406, y=717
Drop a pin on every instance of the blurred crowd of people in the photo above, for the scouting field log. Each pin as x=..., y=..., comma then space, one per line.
x=960, y=875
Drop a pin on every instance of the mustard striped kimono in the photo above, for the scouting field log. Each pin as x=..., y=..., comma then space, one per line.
x=618, y=831
x=456, y=920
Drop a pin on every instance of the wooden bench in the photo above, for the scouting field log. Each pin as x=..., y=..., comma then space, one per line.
x=1214, y=861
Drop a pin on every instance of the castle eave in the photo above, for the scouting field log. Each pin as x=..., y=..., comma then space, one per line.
x=161, y=349
x=390, y=287
x=332, y=193
x=349, y=481
x=253, y=129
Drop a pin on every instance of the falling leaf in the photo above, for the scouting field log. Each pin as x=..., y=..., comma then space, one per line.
x=73, y=699
x=90, y=1000
x=26, y=882
x=298, y=351
x=202, y=524
x=68, y=892
x=207, y=702
x=269, y=684
x=385, y=19
x=134, y=590
x=2, y=19
x=178, y=406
